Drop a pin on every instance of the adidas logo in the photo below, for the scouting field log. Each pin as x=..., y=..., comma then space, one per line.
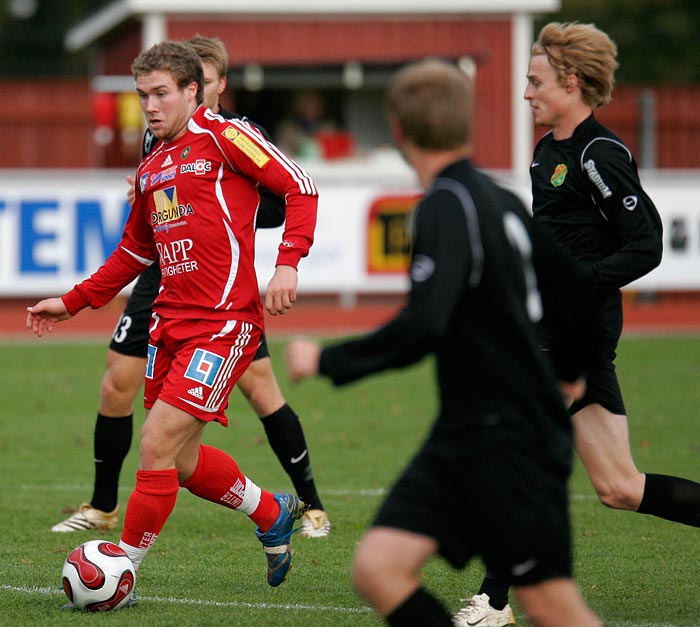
x=168, y=161
x=197, y=392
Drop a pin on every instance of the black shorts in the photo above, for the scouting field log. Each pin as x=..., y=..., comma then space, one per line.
x=476, y=491
x=602, y=386
x=130, y=336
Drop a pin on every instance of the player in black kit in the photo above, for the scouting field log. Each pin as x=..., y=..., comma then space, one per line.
x=126, y=360
x=477, y=266
x=587, y=196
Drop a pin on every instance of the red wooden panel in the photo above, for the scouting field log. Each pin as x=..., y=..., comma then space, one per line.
x=47, y=123
x=678, y=123
x=309, y=41
x=305, y=41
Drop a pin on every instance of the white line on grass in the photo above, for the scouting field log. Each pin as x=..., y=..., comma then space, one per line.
x=258, y=606
x=268, y=606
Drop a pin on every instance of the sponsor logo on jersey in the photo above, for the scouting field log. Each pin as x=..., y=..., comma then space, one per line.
x=199, y=167
x=143, y=181
x=630, y=202
x=596, y=178
x=164, y=175
x=559, y=175
x=247, y=146
x=168, y=161
x=185, y=152
x=167, y=207
x=151, y=362
x=175, y=258
x=203, y=367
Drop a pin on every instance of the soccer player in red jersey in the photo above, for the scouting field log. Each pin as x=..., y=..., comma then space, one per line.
x=194, y=214
x=128, y=350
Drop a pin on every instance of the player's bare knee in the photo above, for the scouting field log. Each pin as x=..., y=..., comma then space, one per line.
x=623, y=495
x=116, y=398
x=263, y=399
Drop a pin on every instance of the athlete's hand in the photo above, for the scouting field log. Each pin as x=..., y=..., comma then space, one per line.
x=572, y=391
x=281, y=291
x=45, y=314
x=131, y=193
x=302, y=359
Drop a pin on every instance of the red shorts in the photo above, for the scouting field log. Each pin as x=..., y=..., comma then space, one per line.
x=194, y=365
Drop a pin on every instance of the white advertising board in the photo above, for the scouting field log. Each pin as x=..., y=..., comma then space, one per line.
x=57, y=227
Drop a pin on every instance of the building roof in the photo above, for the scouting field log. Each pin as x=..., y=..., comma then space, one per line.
x=106, y=19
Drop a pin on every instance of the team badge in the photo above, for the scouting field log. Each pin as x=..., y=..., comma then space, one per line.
x=185, y=152
x=559, y=175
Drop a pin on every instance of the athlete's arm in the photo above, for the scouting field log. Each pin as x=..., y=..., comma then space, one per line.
x=134, y=253
x=440, y=260
x=614, y=184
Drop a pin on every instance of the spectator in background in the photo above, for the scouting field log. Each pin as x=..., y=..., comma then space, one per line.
x=298, y=134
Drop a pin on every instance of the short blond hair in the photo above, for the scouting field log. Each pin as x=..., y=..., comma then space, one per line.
x=584, y=51
x=432, y=101
x=210, y=50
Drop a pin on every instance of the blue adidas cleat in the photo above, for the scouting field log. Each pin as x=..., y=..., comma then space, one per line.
x=276, y=540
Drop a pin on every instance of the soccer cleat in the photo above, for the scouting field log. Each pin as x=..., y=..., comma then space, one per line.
x=276, y=540
x=479, y=612
x=315, y=524
x=86, y=518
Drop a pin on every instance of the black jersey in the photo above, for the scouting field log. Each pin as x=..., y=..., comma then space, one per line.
x=587, y=194
x=476, y=261
x=271, y=212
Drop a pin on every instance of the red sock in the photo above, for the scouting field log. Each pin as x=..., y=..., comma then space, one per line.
x=218, y=479
x=149, y=506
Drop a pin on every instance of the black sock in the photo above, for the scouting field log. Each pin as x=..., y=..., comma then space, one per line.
x=112, y=441
x=497, y=589
x=671, y=498
x=286, y=438
x=420, y=610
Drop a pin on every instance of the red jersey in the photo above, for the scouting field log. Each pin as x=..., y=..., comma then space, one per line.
x=194, y=213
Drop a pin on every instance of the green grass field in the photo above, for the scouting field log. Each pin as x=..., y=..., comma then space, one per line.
x=207, y=567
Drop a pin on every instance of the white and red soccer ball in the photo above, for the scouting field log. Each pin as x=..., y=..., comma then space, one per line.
x=98, y=576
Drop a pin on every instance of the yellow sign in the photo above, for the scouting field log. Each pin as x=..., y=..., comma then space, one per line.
x=389, y=234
